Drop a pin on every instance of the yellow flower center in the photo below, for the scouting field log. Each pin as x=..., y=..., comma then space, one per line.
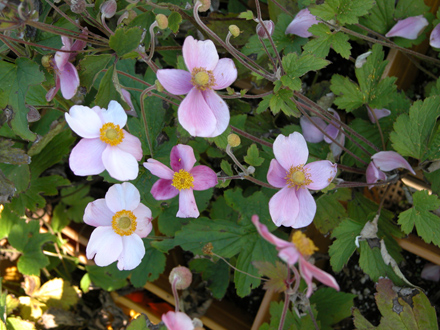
x=298, y=177
x=202, y=79
x=124, y=223
x=182, y=180
x=304, y=245
x=111, y=134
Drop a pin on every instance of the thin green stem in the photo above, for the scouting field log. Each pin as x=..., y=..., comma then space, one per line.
x=144, y=119
x=246, y=96
x=236, y=269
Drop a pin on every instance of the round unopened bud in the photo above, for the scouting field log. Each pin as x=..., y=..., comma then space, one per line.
x=181, y=277
x=108, y=8
x=162, y=21
x=235, y=30
x=77, y=6
x=159, y=86
x=270, y=26
x=46, y=61
x=206, y=4
x=234, y=140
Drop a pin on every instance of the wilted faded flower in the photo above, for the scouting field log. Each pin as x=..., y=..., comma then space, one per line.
x=408, y=28
x=270, y=26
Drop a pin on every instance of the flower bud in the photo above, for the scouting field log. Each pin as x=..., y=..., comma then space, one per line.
x=206, y=4
x=234, y=140
x=108, y=8
x=301, y=24
x=46, y=61
x=270, y=26
x=235, y=30
x=78, y=6
x=408, y=28
x=162, y=21
x=181, y=277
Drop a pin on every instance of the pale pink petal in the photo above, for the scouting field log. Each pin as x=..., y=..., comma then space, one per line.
x=301, y=23
x=220, y=110
x=309, y=128
x=54, y=90
x=61, y=59
x=86, y=157
x=225, y=73
x=434, y=39
x=374, y=174
x=321, y=173
x=199, y=54
x=158, y=169
x=431, y=272
x=119, y=164
x=289, y=255
x=187, y=204
x=67, y=43
x=69, y=81
x=143, y=220
x=163, y=190
x=177, y=321
x=123, y=196
x=98, y=214
x=408, y=28
x=290, y=151
x=265, y=233
x=337, y=150
x=80, y=44
x=306, y=208
x=175, y=81
x=332, y=131
x=204, y=177
x=284, y=207
x=105, y=245
x=84, y=121
x=276, y=175
x=309, y=271
x=115, y=114
x=182, y=158
x=195, y=115
x=380, y=113
x=127, y=98
x=390, y=160
x=133, y=251
x=132, y=145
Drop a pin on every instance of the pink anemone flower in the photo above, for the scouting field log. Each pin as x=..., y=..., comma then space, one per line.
x=294, y=206
x=298, y=251
x=177, y=321
x=202, y=112
x=181, y=179
x=105, y=145
x=121, y=220
x=301, y=24
x=66, y=75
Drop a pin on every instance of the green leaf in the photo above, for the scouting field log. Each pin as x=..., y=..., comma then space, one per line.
x=329, y=213
x=110, y=89
x=265, y=101
x=125, y=40
x=10, y=155
x=427, y=223
x=143, y=22
x=434, y=178
x=140, y=323
x=174, y=21
x=37, y=147
x=343, y=11
x=248, y=15
x=414, y=133
x=332, y=306
x=151, y=266
x=109, y=278
x=406, y=8
x=85, y=283
x=253, y=156
x=282, y=101
x=399, y=309
x=8, y=219
x=15, y=323
x=57, y=293
x=215, y=273
x=349, y=95
x=15, y=80
x=320, y=46
x=344, y=245
x=381, y=16
x=292, y=320
x=277, y=275
x=91, y=65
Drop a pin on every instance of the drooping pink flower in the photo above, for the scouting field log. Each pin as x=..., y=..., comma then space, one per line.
x=294, y=206
x=408, y=28
x=379, y=113
x=298, y=251
x=431, y=272
x=181, y=179
x=310, y=130
x=301, y=24
x=202, y=112
x=434, y=39
x=385, y=161
x=121, y=220
x=66, y=75
x=270, y=27
x=177, y=321
x=105, y=145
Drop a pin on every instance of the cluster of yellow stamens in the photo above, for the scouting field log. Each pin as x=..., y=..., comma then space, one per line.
x=111, y=134
x=298, y=177
x=124, y=223
x=182, y=180
x=202, y=79
x=304, y=245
